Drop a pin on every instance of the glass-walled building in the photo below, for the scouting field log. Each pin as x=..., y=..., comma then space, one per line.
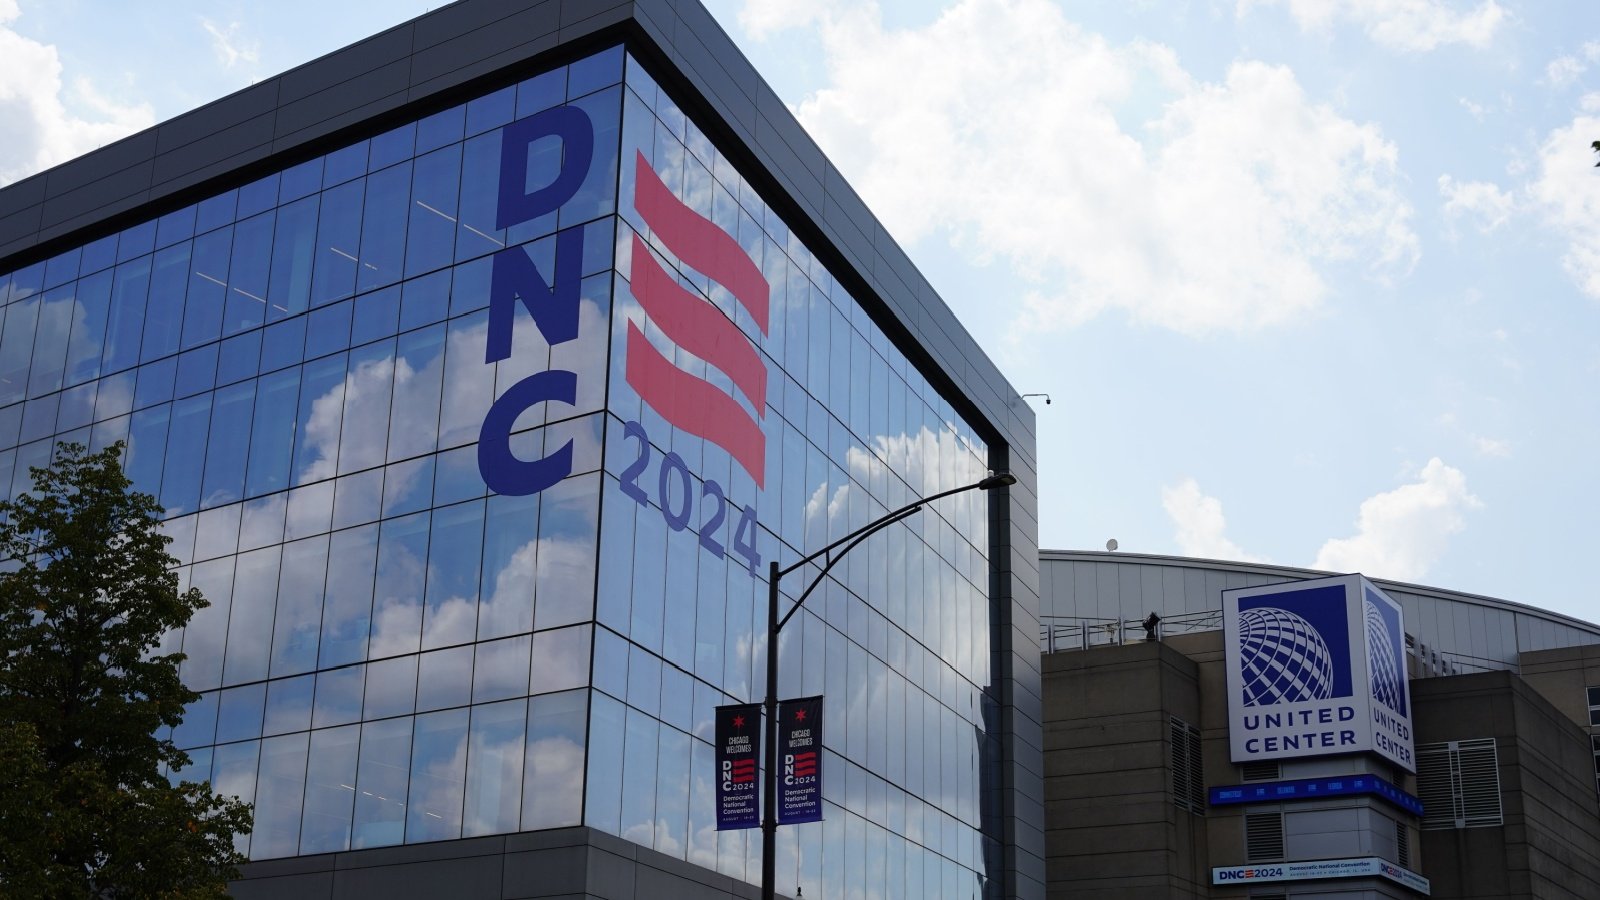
x=478, y=422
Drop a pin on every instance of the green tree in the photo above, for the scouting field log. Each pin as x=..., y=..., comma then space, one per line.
x=87, y=593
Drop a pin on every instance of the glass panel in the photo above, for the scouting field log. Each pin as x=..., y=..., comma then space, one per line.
x=552, y=792
x=391, y=687
x=419, y=368
x=288, y=705
x=186, y=448
x=279, y=793
x=169, y=281
x=206, y=634
x=444, y=678
x=293, y=250
x=245, y=303
x=430, y=240
x=468, y=383
x=401, y=573
x=338, y=241
x=494, y=768
x=298, y=622
x=255, y=592
x=56, y=314
x=233, y=774
x=383, y=236
x=316, y=442
x=509, y=560
x=272, y=433
x=89, y=328
x=568, y=528
x=16, y=350
x=560, y=659
x=339, y=696
x=358, y=498
x=438, y=777
x=229, y=444
x=330, y=790
x=382, y=777
x=347, y=612
x=638, y=778
x=672, y=793
x=454, y=555
x=208, y=288
x=604, y=770
x=239, y=713
x=500, y=670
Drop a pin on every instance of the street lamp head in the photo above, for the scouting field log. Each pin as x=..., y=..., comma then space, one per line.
x=997, y=480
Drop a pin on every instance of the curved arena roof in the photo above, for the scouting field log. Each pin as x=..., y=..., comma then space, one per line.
x=1091, y=597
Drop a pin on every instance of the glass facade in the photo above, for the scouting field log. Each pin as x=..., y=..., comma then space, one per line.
x=478, y=435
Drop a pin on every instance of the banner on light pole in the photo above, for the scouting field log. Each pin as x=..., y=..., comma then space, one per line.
x=738, y=760
x=800, y=761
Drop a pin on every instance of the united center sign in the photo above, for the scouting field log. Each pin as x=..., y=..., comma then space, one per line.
x=1316, y=668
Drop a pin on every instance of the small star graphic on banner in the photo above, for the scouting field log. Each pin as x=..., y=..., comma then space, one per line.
x=738, y=721
x=799, y=715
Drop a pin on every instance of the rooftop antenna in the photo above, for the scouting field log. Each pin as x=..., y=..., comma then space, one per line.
x=1045, y=396
x=1111, y=544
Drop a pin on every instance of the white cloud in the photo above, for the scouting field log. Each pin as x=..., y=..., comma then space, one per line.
x=1401, y=533
x=1476, y=110
x=1567, y=193
x=1568, y=68
x=1563, y=70
x=1414, y=25
x=1199, y=523
x=1492, y=447
x=46, y=122
x=1483, y=201
x=229, y=49
x=1015, y=133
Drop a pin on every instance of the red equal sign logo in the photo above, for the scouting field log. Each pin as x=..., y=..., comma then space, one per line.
x=805, y=764
x=744, y=770
x=687, y=401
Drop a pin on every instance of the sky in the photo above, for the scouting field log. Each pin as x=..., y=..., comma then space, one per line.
x=1311, y=282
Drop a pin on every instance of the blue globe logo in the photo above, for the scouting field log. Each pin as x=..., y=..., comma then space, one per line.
x=1282, y=658
x=1382, y=671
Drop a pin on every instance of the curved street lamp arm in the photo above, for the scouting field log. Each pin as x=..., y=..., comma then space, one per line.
x=859, y=536
x=989, y=483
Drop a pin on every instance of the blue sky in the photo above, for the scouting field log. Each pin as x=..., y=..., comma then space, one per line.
x=1309, y=281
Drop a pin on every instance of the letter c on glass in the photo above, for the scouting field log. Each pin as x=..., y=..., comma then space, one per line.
x=502, y=471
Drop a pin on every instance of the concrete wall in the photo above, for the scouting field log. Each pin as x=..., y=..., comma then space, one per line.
x=1113, y=829
x=1549, y=846
x=1563, y=677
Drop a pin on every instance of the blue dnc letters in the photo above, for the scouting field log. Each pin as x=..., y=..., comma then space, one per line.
x=554, y=308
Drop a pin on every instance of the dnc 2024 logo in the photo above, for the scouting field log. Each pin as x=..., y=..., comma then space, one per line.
x=686, y=401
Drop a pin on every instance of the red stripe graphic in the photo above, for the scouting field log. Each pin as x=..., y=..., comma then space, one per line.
x=805, y=764
x=699, y=242
x=698, y=327
x=694, y=405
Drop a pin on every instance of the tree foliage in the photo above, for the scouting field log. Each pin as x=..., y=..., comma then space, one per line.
x=87, y=594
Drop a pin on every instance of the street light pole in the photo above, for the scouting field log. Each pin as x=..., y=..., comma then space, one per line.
x=769, y=815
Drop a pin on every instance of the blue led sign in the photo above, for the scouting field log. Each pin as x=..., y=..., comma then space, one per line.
x=1312, y=788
